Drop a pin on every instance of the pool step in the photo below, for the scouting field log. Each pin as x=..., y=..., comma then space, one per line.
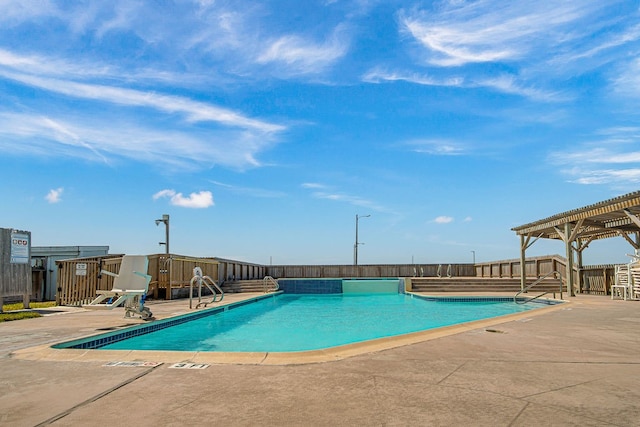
x=479, y=284
x=254, y=285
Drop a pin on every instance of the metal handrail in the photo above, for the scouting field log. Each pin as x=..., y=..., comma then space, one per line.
x=439, y=271
x=526, y=288
x=198, y=277
x=270, y=280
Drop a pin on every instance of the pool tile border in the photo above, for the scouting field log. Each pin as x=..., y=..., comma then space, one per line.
x=97, y=341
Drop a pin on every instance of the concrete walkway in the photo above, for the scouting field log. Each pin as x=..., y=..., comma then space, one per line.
x=576, y=365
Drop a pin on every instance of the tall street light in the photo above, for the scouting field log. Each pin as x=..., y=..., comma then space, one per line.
x=165, y=220
x=355, y=246
x=474, y=257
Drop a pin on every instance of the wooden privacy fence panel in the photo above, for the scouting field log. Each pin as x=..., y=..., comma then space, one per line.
x=366, y=271
x=15, y=264
x=176, y=271
x=597, y=279
x=78, y=279
x=534, y=267
x=230, y=270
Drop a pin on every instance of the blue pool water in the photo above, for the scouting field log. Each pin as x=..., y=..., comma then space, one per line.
x=287, y=322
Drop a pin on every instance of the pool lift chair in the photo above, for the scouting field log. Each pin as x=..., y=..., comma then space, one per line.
x=130, y=287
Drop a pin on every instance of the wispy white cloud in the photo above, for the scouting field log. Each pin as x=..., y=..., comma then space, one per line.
x=505, y=83
x=606, y=176
x=194, y=111
x=534, y=46
x=199, y=200
x=303, y=56
x=443, y=219
x=491, y=31
x=598, y=50
x=19, y=11
x=326, y=192
x=512, y=85
x=627, y=83
x=313, y=185
x=347, y=198
x=234, y=140
x=613, y=159
x=248, y=191
x=54, y=195
x=437, y=147
x=378, y=75
x=83, y=69
x=107, y=139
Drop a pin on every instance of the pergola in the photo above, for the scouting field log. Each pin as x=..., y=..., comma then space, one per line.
x=577, y=228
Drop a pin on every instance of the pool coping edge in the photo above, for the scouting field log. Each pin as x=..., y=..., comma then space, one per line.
x=46, y=352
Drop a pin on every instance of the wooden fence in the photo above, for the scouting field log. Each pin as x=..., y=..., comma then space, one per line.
x=597, y=279
x=78, y=279
x=590, y=279
x=15, y=265
x=368, y=271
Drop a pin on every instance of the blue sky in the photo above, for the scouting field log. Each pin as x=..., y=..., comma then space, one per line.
x=262, y=128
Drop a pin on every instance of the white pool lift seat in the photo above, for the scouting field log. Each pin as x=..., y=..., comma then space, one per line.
x=130, y=287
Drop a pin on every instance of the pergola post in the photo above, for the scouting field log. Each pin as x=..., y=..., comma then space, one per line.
x=569, y=273
x=523, y=274
x=579, y=262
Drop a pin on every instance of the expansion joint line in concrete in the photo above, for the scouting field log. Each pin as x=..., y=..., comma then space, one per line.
x=95, y=398
x=519, y=413
x=450, y=373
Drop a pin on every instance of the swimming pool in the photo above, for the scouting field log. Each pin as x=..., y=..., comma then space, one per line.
x=296, y=323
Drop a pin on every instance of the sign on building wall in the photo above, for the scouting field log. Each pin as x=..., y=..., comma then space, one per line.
x=19, y=248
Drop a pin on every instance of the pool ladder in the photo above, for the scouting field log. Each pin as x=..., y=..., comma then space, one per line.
x=439, y=271
x=270, y=284
x=209, y=283
x=526, y=288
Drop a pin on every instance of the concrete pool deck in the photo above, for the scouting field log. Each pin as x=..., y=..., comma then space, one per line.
x=577, y=364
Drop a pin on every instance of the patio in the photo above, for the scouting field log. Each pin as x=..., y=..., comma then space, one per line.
x=577, y=365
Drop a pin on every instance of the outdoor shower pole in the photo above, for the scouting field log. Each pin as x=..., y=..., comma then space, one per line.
x=165, y=220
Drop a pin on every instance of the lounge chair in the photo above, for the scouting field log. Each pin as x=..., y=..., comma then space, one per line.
x=130, y=286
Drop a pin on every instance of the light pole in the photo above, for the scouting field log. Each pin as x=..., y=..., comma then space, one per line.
x=165, y=220
x=474, y=257
x=355, y=246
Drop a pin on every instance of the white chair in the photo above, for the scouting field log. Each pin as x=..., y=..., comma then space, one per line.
x=622, y=285
x=130, y=286
x=634, y=289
